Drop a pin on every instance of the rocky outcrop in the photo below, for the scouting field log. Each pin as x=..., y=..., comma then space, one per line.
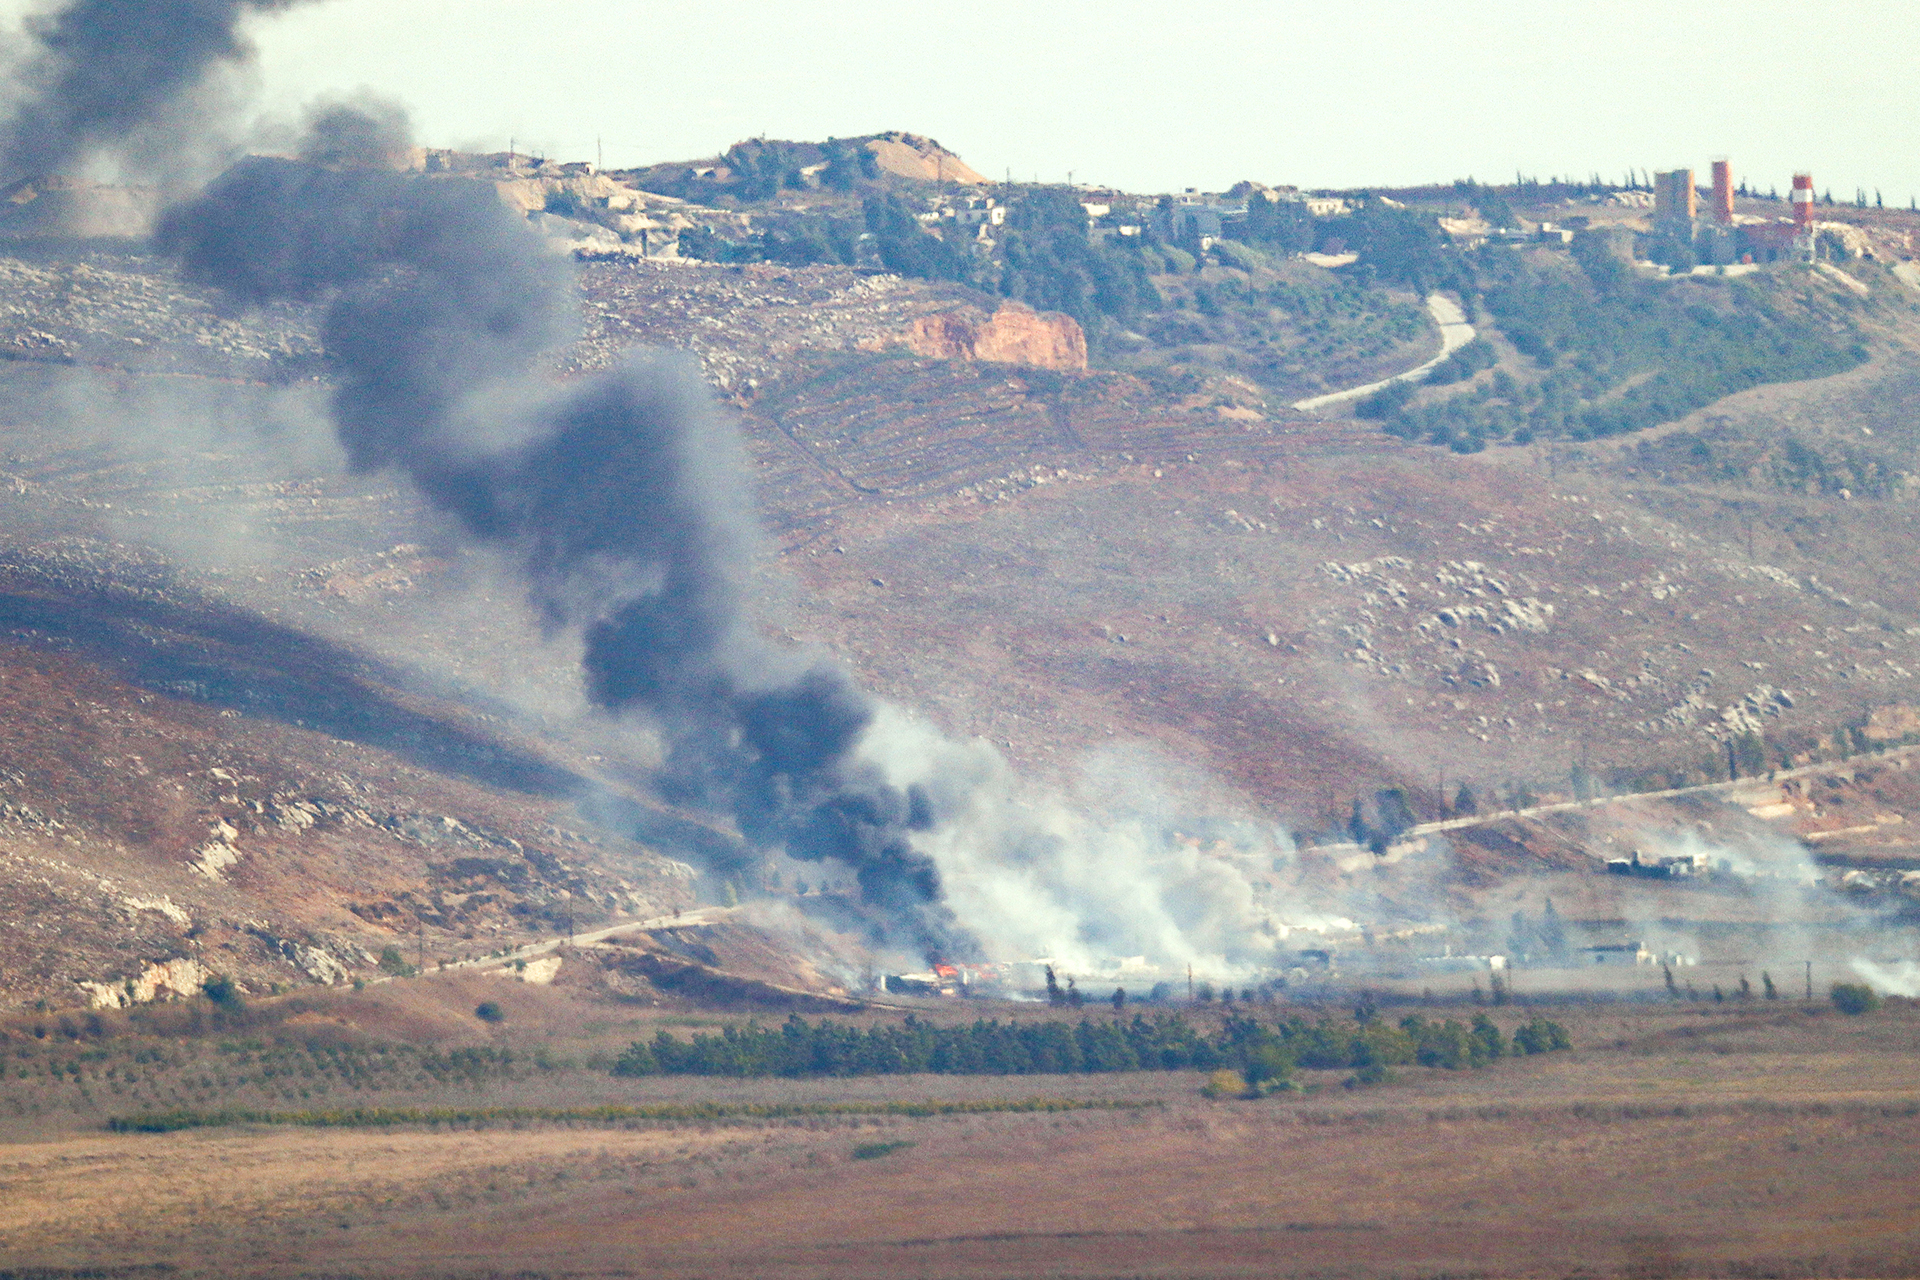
x=163, y=979
x=214, y=857
x=1014, y=334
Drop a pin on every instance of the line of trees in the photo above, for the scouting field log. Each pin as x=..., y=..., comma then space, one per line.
x=1258, y=1050
x=1044, y=258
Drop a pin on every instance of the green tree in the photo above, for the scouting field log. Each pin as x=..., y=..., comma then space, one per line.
x=1282, y=225
x=1553, y=933
x=908, y=248
x=223, y=991
x=1749, y=753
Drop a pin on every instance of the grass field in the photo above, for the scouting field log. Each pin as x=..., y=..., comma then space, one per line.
x=1673, y=1140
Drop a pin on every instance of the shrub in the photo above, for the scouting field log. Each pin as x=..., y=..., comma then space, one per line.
x=1540, y=1036
x=1385, y=402
x=1179, y=260
x=222, y=991
x=1854, y=998
x=1235, y=254
x=567, y=204
x=1371, y=1074
x=1268, y=1066
x=488, y=1011
x=1464, y=363
x=1225, y=1083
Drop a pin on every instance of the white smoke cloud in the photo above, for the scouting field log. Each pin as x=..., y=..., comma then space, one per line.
x=1899, y=979
x=1762, y=857
x=1113, y=872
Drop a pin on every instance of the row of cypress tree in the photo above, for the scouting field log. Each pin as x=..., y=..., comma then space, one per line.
x=1165, y=1042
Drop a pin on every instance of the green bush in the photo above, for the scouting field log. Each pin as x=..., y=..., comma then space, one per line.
x=488, y=1011
x=1235, y=254
x=1854, y=998
x=1179, y=261
x=1387, y=401
x=1464, y=363
x=222, y=991
x=1225, y=1083
x=1538, y=1035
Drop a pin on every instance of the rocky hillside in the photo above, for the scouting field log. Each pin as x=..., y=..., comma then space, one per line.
x=266, y=722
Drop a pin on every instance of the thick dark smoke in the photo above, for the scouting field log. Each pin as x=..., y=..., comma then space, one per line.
x=104, y=69
x=621, y=495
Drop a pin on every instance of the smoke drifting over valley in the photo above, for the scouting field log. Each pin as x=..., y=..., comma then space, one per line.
x=104, y=72
x=621, y=499
x=620, y=505
x=622, y=496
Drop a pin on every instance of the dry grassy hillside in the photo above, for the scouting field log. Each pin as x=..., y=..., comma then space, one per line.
x=1300, y=609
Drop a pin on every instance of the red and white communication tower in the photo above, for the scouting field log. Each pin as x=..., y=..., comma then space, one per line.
x=1802, y=199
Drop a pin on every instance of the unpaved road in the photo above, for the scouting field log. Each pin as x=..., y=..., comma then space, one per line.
x=1455, y=333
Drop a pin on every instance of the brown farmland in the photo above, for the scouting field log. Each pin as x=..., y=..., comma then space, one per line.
x=1758, y=1139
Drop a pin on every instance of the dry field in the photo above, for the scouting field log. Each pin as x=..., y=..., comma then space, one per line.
x=1774, y=1140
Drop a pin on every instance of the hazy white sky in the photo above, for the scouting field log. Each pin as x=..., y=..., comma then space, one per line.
x=1155, y=96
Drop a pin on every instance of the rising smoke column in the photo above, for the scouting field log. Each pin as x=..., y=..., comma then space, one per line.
x=104, y=69
x=621, y=496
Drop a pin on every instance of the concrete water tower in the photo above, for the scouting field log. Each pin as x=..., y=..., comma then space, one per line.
x=1723, y=192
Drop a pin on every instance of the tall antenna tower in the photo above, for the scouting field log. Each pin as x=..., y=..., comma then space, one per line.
x=1802, y=198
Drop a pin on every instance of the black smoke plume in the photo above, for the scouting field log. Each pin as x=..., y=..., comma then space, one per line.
x=105, y=69
x=621, y=495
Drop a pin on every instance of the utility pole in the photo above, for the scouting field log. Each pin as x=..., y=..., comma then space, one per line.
x=1809, y=980
x=1189, y=984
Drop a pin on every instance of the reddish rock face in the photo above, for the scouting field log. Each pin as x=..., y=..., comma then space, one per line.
x=1014, y=334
